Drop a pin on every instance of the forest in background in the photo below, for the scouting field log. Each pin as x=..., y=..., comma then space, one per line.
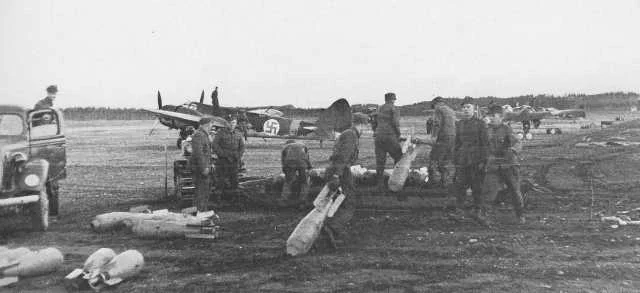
x=604, y=101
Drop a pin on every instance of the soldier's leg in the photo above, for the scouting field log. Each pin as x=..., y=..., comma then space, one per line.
x=305, y=184
x=511, y=178
x=233, y=180
x=477, y=181
x=394, y=149
x=461, y=183
x=338, y=224
x=381, y=157
x=289, y=178
x=201, y=184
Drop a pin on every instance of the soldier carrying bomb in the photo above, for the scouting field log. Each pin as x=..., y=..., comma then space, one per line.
x=338, y=174
x=444, y=131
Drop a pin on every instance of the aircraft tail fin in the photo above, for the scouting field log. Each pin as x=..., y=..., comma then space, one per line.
x=335, y=118
x=159, y=101
x=202, y=97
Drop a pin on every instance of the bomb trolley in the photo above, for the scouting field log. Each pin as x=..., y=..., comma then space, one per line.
x=184, y=189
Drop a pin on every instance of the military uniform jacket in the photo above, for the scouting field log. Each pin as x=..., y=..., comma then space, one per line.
x=201, y=155
x=229, y=144
x=296, y=155
x=472, y=142
x=345, y=150
x=503, y=145
x=445, y=122
x=387, y=120
x=45, y=103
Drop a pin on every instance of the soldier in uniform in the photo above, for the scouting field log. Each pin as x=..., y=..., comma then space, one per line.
x=386, y=127
x=444, y=131
x=338, y=174
x=47, y=102
x=228, y=145
x=200, y=162
x=471, y=149
x=295, y=165
x=503, y=165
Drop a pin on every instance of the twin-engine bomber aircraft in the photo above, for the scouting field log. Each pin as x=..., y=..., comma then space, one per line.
x=264, y=123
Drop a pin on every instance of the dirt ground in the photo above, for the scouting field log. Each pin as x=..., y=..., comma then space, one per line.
x=563, y=247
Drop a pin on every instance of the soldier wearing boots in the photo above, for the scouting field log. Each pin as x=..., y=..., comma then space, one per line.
x=228, y=145
x=471, y=149
x=444, y=131
x=387, y=136
x=338, y=174
x=295, y=165
x=200, y=162
x=503, y=165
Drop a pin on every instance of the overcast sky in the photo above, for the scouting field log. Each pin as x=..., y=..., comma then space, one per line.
x=306, y=53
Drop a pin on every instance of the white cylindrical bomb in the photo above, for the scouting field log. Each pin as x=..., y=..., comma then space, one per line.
x=122, y=267
x=36, y=263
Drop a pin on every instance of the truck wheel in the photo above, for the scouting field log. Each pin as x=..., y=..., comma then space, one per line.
x=40, y=213
x=53, y=192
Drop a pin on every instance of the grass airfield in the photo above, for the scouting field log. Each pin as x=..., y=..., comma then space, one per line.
x=564, y=247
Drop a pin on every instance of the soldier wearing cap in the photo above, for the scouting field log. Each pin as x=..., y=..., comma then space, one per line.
x=503, y=165
x=228, y=145
x=295, y=165
x=338, y=174
x=386, y=129
x=444, y=130
x=200, y=162
x=471, y=155
x=47, y=102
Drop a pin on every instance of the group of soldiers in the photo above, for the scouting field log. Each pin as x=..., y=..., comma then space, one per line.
x=227, y=144
x=485, y=156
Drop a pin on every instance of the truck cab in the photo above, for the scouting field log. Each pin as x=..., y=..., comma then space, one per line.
x=32, y=160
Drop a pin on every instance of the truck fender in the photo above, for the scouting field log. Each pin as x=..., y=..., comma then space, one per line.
x=37, y=167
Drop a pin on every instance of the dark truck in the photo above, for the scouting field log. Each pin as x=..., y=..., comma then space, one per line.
x=33, y=160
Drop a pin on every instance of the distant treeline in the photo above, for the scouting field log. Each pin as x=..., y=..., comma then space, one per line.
x=102, y=113
x=605, y=101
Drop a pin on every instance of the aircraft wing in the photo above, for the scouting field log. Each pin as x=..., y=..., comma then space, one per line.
x=267, y=112
x=170, y=115
x=525, y=116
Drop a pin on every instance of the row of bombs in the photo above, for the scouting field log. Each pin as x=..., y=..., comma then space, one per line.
x=361, y=177
x=103, y=268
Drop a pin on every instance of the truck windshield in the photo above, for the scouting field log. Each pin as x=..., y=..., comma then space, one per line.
x=11, y=124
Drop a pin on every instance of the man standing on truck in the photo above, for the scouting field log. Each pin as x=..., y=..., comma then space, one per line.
x=47, y=102
x=200, y=162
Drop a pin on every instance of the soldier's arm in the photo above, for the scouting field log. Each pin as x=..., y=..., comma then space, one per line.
x=396, y=120
x=458, y=141
x=240, y=147
x=483, y=134
x=514, y=141
x=215, y=145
